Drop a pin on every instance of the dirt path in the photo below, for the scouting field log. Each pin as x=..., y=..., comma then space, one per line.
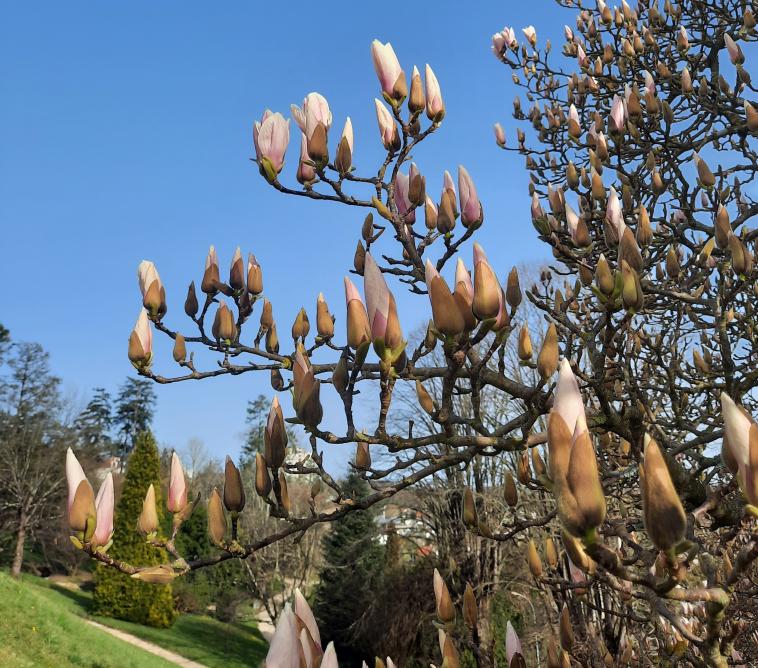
x=148, y=646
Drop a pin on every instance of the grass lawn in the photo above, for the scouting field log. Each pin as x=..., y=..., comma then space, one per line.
x=40, y=630
x=197, y=637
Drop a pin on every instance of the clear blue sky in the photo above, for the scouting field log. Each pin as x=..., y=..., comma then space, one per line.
x=126, y=134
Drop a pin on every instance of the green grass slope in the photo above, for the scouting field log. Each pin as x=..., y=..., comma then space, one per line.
x=197, y=637
x=42, y=631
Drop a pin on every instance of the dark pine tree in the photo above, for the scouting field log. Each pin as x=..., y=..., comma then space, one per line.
x=119, y=595
x=93, y=425
x=353, y=563
x=135, y=405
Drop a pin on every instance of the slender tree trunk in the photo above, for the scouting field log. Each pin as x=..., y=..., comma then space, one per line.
x=18, y=553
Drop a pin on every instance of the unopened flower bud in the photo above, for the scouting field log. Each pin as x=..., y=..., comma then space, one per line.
x=547, y=360
x=262, y=479
x=324, y=319
x=445, y=609
x=509, y=490
x=148, y=519
x=424, y=398
x=216, y=518
x=301, y=326
x=180, y=348
x=234, y=490
x=362, y=456
x=665, y=521
x=524, y=344
x=533, y=559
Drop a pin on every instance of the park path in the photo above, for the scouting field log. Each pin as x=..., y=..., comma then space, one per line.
x=148, y=646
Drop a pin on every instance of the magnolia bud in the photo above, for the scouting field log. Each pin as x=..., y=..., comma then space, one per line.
x=534, y=561
x=267, y=315
x=262, y=480
x=487, y=290
x=180, y=349
x=237, y=277
x=272, y=340
x=469, y=607
x=190, y=303
x=301, y=326
x=509, y=490
x=524, y=344
x=234, y=490
x=551, y=554
x=631, y=291
x=362, y=456
x=324, y=319
x=148, y=519
x=604, y=277
x=445, y=609
x=565, y=629
x=547, y=361
x=705, y=176
x=448, y=318
x=284, y=493
x=513, y=289
x=722, y=228
x=424, y=398
x=216, y=518
x=416, y=99
x=340, y=378
x=82, y=513
x=275, y=436
x=665, y=521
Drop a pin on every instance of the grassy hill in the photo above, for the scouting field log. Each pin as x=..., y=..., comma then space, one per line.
x=42, y=624
x=41, y=631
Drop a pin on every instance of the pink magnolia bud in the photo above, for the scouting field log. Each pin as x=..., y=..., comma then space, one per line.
x=616, y=124
x=271, y=137
x=449, y=187
x=284, y=649
x=177, y=486
x=471, y=208
x=141, y=342
x=568, y=33
x=74, y=475
x=304, y=613
x=329, y=660
x=391, y=75
x=380, y=305
x=435, y=107
x=387, y=128
x=211, y=276
x=581, y=56
x=512, y=645
x=153, y=293
x=649, y=83
x=574, y=127
x=536, y=207
x=734, y=50
x=742, y=438
x=614, y=213
x=306, y=172
x=463, y=277
x=499, y=135
x=531, y=35
x=104, y=505
x=402, y=199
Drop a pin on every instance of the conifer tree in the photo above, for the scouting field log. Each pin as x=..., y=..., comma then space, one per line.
x=353, y=561
x=116, y=594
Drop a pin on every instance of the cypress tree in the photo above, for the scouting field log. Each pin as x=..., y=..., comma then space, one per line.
x=119, y=595
x=353, y=563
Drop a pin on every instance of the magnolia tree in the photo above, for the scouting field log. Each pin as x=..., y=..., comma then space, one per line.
x=641, y=167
